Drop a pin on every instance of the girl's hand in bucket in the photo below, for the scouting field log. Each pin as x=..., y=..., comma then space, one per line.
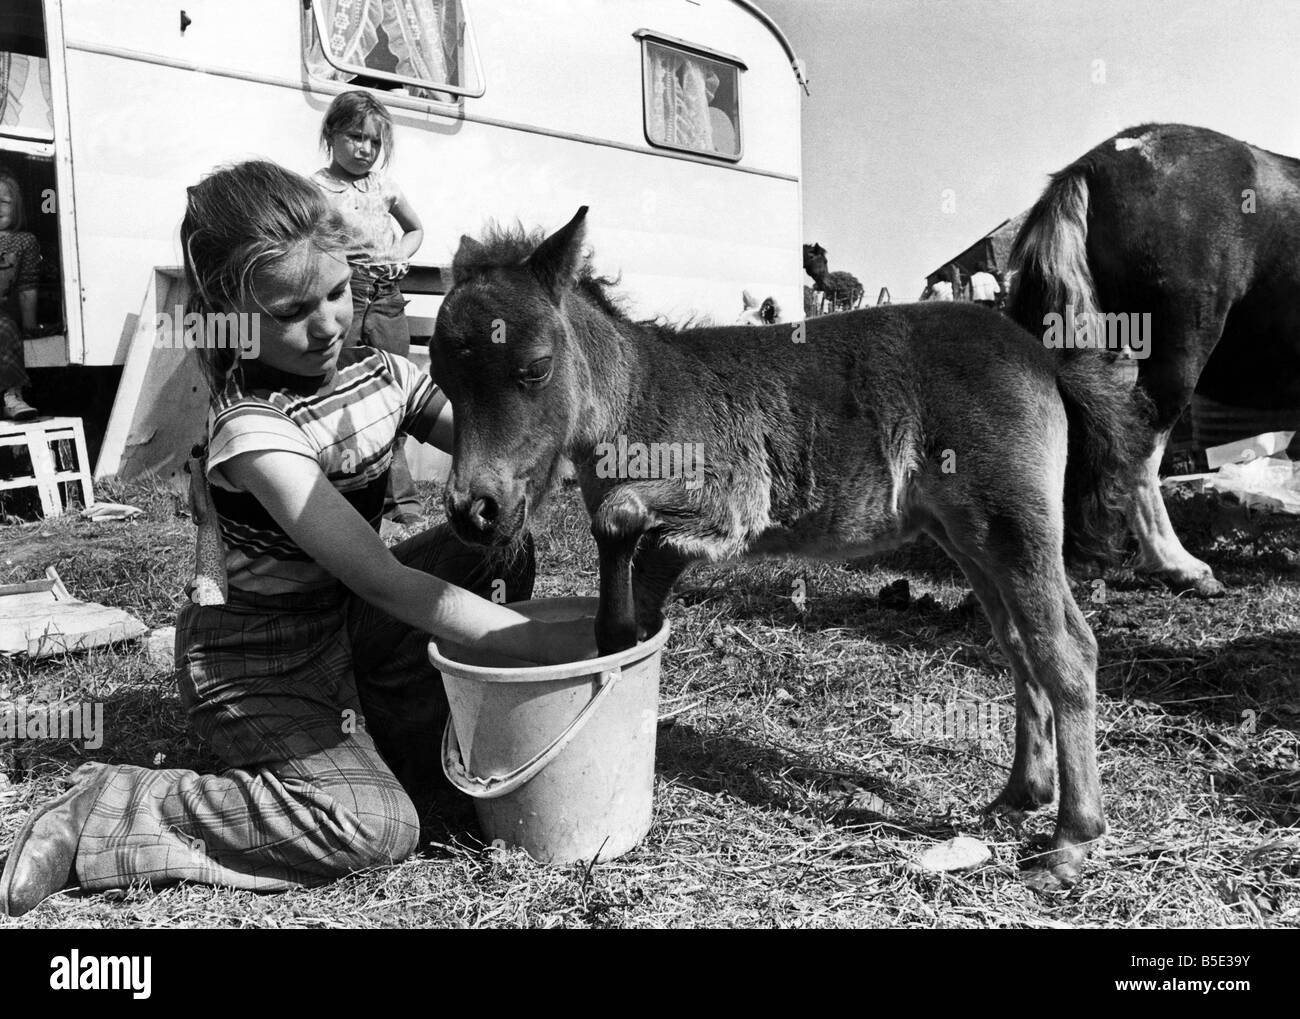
x=564, y=641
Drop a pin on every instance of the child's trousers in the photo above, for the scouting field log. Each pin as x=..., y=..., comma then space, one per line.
x=12, y=372
x=312, y=701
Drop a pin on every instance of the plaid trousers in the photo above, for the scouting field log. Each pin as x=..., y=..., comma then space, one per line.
x=12, y=372
x=312, y=701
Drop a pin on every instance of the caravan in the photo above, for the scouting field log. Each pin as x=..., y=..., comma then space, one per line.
x=677, y=121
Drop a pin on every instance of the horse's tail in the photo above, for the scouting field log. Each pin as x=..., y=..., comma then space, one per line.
x=1107, y=441
x=1049, y=258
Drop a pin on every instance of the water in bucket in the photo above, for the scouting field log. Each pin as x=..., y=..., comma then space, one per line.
x=559, y=758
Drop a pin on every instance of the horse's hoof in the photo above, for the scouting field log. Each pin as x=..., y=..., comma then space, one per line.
x=1208, y=587
x=1047, y=881
x=1056, y=870
x=1203, y=586
x=1014, y=804
x=997, y=815
x=609, y=643
x=999, y=811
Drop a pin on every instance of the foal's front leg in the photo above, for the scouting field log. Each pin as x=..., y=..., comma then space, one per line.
x=617, y=525
x=654, y=573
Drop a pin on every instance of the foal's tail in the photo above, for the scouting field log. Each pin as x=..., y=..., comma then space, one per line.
x=1108, y=417
x=1049, y=258
x=1108, y=439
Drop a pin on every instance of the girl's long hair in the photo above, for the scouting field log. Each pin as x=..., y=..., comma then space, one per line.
x=239, y=219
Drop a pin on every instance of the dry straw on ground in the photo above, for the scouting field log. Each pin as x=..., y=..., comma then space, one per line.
x=787, y=792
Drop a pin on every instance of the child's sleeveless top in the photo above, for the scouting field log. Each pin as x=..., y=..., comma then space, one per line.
x=366, y=205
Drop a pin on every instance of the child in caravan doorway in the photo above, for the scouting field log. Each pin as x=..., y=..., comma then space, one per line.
x=20, y=261
x=312, y=682
x=357, y=132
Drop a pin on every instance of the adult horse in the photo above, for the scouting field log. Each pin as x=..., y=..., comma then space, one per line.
x=836, y=436
x=1201, y=233
x=842, y=290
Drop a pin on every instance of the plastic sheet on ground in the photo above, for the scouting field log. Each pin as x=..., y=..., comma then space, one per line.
x=1267, y=483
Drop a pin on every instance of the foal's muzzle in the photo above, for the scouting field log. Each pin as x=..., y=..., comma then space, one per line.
x=478, y=518
x=474, y=518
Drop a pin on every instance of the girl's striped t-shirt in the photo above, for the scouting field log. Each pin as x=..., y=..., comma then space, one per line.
x=350, y=431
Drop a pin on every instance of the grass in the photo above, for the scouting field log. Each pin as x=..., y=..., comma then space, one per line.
x=790, y=789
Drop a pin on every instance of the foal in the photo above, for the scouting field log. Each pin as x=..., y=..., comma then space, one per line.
x=832, y=437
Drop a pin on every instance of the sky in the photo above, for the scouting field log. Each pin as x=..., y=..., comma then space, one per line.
x=931, y=121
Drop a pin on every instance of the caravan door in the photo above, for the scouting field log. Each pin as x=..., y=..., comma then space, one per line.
x=35, y=152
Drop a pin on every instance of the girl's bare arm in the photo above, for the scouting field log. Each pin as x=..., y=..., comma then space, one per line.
x=441, y=435
x=320, y=521
x=412, y=228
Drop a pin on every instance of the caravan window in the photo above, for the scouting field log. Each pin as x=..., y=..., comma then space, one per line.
x=26, y=103
x=413, y=46
x=692, y=97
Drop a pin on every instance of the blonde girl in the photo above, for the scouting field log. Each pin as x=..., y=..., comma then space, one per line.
x=312, y=682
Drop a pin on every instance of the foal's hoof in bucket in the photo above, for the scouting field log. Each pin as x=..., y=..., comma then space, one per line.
x=614, y=639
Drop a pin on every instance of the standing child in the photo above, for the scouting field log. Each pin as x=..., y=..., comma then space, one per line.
x=20, y=263
x=357, y=132
x=312, y=682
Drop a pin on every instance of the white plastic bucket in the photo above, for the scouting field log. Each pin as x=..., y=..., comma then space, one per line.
x=559, y=758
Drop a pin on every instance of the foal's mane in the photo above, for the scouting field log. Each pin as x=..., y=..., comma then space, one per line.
x=508, y=246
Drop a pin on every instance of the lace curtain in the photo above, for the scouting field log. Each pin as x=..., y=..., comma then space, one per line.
x=422, y=35
x=26, y=104
x=680, y=89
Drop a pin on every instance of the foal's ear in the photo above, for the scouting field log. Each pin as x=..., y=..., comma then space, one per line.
x=467, y=255
x=555, y=262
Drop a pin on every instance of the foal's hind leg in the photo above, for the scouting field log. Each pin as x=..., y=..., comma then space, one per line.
x=1032, y=782
x=1054, y=650
x=1061, y=652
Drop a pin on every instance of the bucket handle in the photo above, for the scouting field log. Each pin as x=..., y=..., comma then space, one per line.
x=458, y=774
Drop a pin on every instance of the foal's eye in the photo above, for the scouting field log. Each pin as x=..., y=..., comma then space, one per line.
x=537, y=372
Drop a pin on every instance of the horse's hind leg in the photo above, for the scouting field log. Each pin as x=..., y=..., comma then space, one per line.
x=1160, y=551
x=1061, y=652
x=1056, y=650
x=1032, y=782
x=1189, y=330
